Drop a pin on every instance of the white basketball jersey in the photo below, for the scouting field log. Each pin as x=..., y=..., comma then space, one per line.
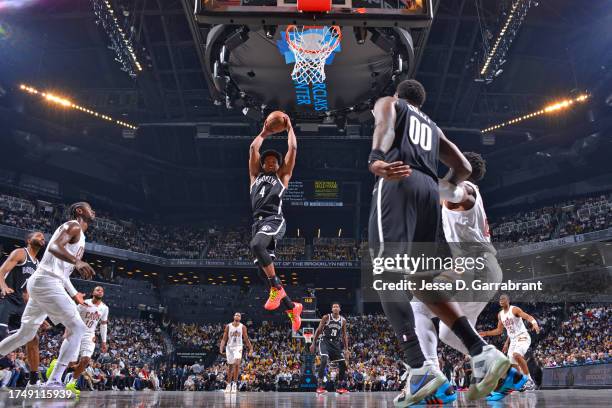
x=50, y=264
x=92, y=314
x=514, y=324
x=469, y=226
x=234, y=335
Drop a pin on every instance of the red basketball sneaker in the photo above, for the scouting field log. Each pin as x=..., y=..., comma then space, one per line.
x=342, y=391
x=294, y=314
x=276, y=295
x=321, y=390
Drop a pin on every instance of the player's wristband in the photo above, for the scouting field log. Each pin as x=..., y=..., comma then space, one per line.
x=451, y=192
x=533, y=322
x=375, y=155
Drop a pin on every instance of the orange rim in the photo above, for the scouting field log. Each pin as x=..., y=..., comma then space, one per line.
x=323, y=50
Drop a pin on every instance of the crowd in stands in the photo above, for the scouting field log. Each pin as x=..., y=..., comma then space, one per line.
x=572, y=217
x=137, y=357
x=133, y=344
x=180, y=242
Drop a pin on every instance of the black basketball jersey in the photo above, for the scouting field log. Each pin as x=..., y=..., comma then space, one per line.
x=17, y=278
x=267, y=195
x=417, y=140
x=332, y=332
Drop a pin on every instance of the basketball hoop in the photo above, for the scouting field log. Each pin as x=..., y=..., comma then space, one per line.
x=311, y=46
x=307, y=333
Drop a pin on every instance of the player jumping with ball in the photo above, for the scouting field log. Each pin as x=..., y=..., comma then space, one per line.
x=270, y=176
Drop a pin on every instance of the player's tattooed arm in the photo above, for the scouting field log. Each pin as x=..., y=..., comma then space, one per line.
x=247, y=340
x=16, y=257
x=224, y=339
x=70, y=235
x=495, y=332
x=286, y=171
x=317, y=332
x=526, y=316
x=451, y=156
x=384, y=135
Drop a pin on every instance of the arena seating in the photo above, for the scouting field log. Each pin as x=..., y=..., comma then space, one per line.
x=213, y=242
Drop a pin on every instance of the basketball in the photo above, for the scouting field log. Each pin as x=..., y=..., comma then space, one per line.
x=276, y=122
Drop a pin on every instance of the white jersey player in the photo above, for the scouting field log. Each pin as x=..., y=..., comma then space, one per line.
x=466, y=231
x=93, y=312
x=52, y=294
x=234, y=336
x=519, y=340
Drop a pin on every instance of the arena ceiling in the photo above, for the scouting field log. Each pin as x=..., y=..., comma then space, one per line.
x=562, y=46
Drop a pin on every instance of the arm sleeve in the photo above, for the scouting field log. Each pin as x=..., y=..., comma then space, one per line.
x=450, y=192
x=104, y=326
x=69, y=287
x=103, y=332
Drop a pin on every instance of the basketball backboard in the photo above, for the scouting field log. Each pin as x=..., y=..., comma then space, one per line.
x=364, y=13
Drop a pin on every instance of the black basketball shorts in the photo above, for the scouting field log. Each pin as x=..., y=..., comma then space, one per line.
x=332, y=350
x=402, y=213
x=273, y=226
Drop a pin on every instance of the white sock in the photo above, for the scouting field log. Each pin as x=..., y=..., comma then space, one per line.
x=58, y=371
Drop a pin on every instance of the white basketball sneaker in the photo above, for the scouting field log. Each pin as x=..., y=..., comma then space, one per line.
x=234, y=387
x=487, y=368
x=228, y=388
x=422, y=382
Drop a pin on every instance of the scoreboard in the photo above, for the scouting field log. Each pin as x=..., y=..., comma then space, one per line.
x=314, y=193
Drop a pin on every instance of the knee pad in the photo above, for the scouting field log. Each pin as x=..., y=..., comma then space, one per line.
x=259, y=247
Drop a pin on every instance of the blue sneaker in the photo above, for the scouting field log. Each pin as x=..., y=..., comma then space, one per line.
x=512, y=382
x=444, y=395
x=421, y=383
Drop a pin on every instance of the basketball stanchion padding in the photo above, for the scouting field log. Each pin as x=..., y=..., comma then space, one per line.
x=314, y=6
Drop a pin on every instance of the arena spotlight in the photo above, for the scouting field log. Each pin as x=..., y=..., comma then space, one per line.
x=121, y=38
x=496, y=55
x=66, y=103
x=549, y=109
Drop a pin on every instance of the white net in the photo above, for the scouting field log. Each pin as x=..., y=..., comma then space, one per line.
x=311, y=47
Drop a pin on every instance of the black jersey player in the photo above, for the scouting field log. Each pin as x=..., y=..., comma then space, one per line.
x=14, y=273
x=270, y=176
x=332, y=337
x=406, y=148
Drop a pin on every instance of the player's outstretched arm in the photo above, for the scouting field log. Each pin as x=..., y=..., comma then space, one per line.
x=451, y=156
x=384, y=134
x=16, y=257
x=286, y=171
x=526, y=316
x=254, y=155
x=495, y=332
x=246, y=339
x=224, y=339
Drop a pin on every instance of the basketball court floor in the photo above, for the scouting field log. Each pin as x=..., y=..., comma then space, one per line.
x=175, y=399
